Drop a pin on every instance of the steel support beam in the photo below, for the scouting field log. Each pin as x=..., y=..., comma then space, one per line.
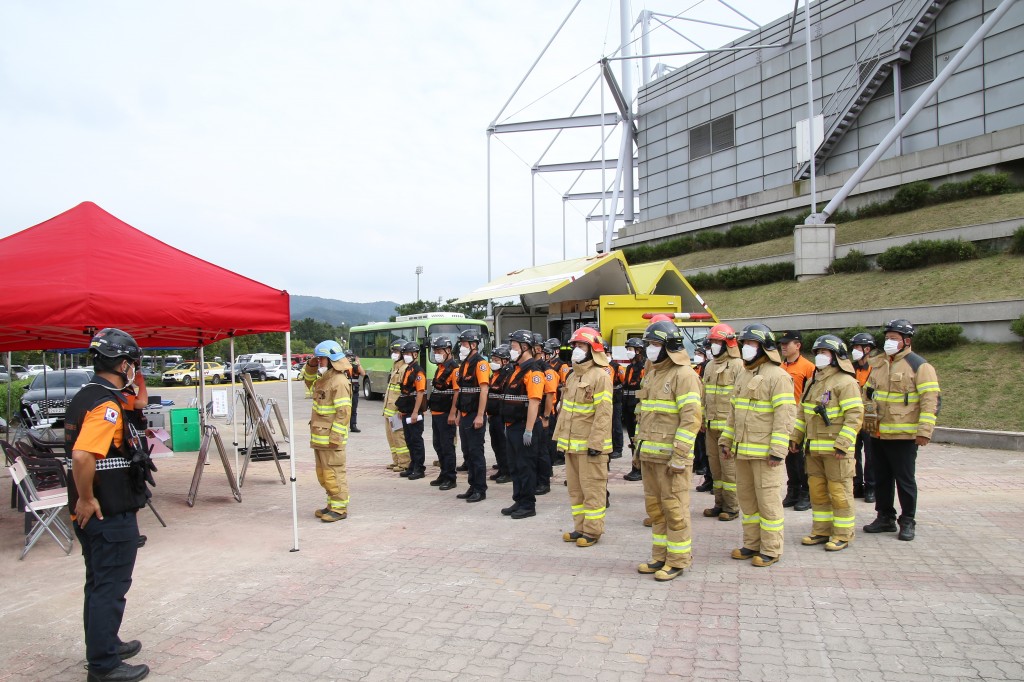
x=588, y=121
x=576, y=166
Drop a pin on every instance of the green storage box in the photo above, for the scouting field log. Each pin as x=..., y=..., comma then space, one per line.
x=185, y=429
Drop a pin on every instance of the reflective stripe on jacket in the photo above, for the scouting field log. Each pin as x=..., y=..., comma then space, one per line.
x=332, y=408
x=719, y=383
x=669, y=413
x=762, y=413
x=394, y=388
x=585, y=422
x=839, y=394
x=907, y=401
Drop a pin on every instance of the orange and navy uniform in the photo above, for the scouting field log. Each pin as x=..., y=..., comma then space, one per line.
x=482, y=372
x=101, y=426
x=529, y=384
x=862, y=374
x=550, y=391
x=445, y=383
x=415, y=381
x=802, y=371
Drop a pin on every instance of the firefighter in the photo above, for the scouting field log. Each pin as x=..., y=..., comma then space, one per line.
x=701, y=358
x=411, y=404
x=827, y=426
x=552, y=348
x=326, y=375
x=106, y=489
x=618, y=374
x=584, y=436
x=801, y=370
x=442, y=408
x=633, y=373
x=547, y=411
x=670, y=418
x=906, y=395
x=719, y=381
x=356, y=374
x=395, y=436
x=501, y=368
x=471, y=401
x=861, y=346
x=761, y=415
x=520, y=409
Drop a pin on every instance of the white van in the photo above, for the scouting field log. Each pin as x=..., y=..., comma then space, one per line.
x=274, y=364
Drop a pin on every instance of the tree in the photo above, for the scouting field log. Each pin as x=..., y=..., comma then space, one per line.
x=477, y=311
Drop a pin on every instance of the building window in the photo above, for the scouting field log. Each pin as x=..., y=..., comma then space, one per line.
x=921, y=67
x=712, y=137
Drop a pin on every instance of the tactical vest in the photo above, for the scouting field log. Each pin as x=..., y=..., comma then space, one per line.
x=617, y=385
x=469, y=387
x=496, y=394
x=516, y=402
x=443, y=394
x=407, y=400
x=112, y=484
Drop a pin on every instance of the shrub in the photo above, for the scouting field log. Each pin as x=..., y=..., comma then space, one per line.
x=742, y=277
x=855, y=261
x=1017, y=243
x=984, y=184
x=810, y=336
x=919, y=253
x=703, y=281
x=938, y=337
x=1017, y=326
x=849, y=333
x=909, y=197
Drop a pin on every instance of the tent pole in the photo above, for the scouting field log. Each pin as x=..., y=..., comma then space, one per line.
x=232, y=403
x=292, y=442
x=202, y=393
x=10, y=417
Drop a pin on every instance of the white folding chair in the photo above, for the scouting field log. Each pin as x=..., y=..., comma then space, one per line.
x=45, y=506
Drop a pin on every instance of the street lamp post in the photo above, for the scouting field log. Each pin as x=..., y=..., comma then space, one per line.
x=419, y=271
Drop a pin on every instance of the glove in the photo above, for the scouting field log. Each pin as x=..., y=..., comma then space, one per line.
x=527, y=438
x=592, y=452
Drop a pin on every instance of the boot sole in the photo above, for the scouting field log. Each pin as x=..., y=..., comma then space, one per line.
x=646, y=569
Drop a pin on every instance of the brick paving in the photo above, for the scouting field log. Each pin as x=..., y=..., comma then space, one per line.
x=417, y=585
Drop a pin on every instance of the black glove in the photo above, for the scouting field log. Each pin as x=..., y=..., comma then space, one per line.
x=592, y=452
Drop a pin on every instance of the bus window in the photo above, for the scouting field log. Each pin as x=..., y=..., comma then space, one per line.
x=452, y=332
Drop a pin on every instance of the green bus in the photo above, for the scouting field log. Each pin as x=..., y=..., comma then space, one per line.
x=371, y=342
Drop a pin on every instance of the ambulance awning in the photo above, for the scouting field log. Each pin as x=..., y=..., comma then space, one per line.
x=664, y=278
x=574, y=279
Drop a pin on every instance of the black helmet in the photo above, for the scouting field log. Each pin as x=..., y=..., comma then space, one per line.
x=863, y=339
x=664, y=332
x=350, y=355
x=634, y=342
x=411, y=347
x=522, y=336
x=113, y=344
x=502, y=352
x=901, y=326
x=440, y=342
x=552, y=345
x=831, y=342
x=397, y=345
x=538, y=339
x=760, y=333
x=705, y=343
x=471, y=335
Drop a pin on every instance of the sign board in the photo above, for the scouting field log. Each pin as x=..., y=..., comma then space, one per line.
x=220, y=403
x=802, y=138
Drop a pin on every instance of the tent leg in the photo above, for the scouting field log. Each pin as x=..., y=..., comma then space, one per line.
x=291, y=430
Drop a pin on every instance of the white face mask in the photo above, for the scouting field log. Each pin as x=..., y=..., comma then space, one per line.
x=653, y=352
x=630, y=354
x=408, y=359
x=578, y=355
x=438, y=358
x=495, y=366
x=698, y=358
x=321, y=370
x=716, y=348
x=891, y=346
x=749, y=353
x=463, y=352
x=395, y=356
x=131, y=375
x=514, y=354
x=821, y=361
x=857, y=354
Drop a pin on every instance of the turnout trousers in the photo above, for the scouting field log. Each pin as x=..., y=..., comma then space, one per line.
x=667, y=499
x=396, y=441
x=109, y=547
x=330, y=471
x=723, y=471
x=831, y=484
x=759, y=489
x=587, y=479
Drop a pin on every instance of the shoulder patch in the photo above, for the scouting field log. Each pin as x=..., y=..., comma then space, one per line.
x=110, y=415
x=536, y=378
x=483, y=367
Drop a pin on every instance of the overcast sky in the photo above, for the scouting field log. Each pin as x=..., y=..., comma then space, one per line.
x=326, y=148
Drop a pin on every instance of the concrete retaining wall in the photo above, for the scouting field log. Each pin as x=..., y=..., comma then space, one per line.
x=996, y=440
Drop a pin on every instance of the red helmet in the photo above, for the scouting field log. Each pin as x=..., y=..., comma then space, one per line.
x=590, y=336
x=723, y=332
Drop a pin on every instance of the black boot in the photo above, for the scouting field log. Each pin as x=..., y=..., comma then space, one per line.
x=869, y=493
x=634, y=475
x=906, y=529
x=791, y=497
x=122, y=673
x=882, y=524
x=803, y=503
x=707, y=486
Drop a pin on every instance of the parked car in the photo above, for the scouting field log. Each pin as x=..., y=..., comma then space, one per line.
x=19, y=371
x=256, y=370
x=184, y=373
x=4, y=377
x=33, y=370
x=47, y=397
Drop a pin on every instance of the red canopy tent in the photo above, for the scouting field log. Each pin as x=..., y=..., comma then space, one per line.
x=57, y=292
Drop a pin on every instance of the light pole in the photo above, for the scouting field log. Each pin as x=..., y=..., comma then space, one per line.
x=419, y=271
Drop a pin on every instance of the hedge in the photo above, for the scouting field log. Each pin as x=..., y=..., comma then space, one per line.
x=1017, y=244
x=741, y=277
x=938, y=337
x=855, y=261
x=1017, y=326
x=923, y=252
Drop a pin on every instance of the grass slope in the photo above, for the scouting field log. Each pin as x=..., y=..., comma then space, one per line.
x=988, y=279
x=980, y=383
x=953, y=214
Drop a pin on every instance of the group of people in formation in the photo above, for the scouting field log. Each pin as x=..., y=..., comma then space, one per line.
x=763, y=417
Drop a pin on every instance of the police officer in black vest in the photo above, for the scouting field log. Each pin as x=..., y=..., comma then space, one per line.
x=442, y=410
x=107, y=488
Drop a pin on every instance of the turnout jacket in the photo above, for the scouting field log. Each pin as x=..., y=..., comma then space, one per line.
x=669, y=413
x=838, y=394
x=585, y=422
x=719, y=383
x=332, y=405
x=394, y=388
x=906, y=395
x=762, y=413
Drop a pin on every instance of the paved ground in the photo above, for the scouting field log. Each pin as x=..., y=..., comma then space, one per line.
x=419, y=585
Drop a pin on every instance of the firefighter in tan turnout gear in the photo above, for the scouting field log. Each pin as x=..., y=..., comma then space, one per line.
x=826, y=428
x=670, y=417
x=719, y=381
x=396, y=438
x=756, y=433
x=326, y=375
x=583, y=435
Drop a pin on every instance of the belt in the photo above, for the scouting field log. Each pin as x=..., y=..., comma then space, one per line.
x=449, y=391
x=517, y=398
x=629, y=393
x=112, y=463
x=474, y=389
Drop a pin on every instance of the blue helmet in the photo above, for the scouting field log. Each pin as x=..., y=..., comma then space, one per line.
x=329, y=349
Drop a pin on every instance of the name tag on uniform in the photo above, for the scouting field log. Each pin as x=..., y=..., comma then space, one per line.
x=110, y=415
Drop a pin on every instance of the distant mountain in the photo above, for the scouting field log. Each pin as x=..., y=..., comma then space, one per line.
x=336, y=312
